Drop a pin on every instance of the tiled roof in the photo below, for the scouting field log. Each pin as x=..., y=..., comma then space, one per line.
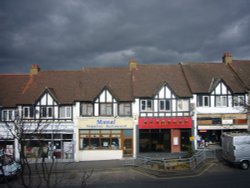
x=148, y=78
x=10, y=89
x=201, y=75
x=145, y=81
x=67, y=86
x=242, y=68
x=94, y=80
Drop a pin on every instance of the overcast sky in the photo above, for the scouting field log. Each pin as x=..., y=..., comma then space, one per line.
x=71, y=34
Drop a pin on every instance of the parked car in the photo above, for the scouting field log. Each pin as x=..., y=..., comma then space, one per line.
x=236, y=148
x=8, y=167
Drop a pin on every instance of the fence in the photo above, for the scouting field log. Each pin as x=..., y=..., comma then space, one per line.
x=164, y=164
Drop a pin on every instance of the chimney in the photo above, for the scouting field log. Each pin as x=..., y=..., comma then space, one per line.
x=227, y=58
x=34, y=69
x=132, y=64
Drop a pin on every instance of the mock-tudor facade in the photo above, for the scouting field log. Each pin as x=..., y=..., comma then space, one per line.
x=112, y=113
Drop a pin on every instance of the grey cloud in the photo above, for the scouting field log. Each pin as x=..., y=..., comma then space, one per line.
x=62, y=34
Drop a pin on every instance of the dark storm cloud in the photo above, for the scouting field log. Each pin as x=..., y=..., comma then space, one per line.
x=70, y=34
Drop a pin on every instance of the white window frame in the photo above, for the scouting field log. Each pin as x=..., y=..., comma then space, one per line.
x=163, y=101
x=203, y=98
x=30, y=114
x=183, y=105
x=239, y=100
x=47, y=115
x=8, y=115
x=221, y=101
x=125, y=109
x=65, y=112
x=106, y=107
x=145, y=105
x=89, y=109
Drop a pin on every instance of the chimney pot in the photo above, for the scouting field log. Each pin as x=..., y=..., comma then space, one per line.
x=34, y=69
x=132, y=64
x=227, y=58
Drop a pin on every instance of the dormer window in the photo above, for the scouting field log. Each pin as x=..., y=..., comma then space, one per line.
x=164, y=105
x=46, y=112
x=221, y=101
x=106, y=109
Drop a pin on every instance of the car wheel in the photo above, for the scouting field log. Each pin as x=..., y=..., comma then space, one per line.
x=244, y=165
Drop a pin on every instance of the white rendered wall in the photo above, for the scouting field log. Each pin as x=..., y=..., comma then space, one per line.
x=93, y=155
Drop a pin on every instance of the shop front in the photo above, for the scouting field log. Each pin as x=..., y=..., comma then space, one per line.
x=211, y=127
x=48, y=145
x=164, y=134
x=104, y=138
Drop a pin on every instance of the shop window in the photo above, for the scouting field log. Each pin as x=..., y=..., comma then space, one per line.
x=46, y=112
x=146, y=105
x=106, y=109
x=99, y=139
x=164, y=105
x=203, y=100
x=125, y=109
x=28, y=112
x=87, y=109
x=65, y=112
x=183, y=105
x=67, y=136
x=221, y=101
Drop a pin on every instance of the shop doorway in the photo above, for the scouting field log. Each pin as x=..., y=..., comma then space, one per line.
x=128, y=147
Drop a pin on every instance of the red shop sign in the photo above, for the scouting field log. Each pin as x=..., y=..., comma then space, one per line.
x=165, y=123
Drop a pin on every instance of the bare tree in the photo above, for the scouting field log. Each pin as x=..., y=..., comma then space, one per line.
x=45, y=169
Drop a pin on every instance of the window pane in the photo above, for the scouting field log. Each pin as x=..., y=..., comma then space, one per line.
x=149, y=104
x=206, y=103
x=162, y=105
x=109, y=110
x=143, y=105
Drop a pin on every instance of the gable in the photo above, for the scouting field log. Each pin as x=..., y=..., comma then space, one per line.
x=105, y=96
x=164, y=91
x=47, y=98
x=220, y=88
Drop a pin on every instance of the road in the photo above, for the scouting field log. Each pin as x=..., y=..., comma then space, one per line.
x=216, y=175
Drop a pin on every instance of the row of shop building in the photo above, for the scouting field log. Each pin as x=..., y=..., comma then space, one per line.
x=112, y=113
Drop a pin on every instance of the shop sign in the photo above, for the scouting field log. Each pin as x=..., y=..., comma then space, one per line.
x=227, y=121
x=165, y=123
x=106, y=123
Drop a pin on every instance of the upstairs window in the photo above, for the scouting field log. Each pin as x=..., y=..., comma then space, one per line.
x=28, y=112
x=87, y=109
x=183, y=105
x=221, y=101
x=125, y=109
x=8, y=115
x=203, y=100
x=146, y=105
x=46, y=112
x=65, y=112
x=239, y=100
x=164, y=105
x=106, y=109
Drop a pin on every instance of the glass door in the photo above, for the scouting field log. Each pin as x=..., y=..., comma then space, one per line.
x=128, y=147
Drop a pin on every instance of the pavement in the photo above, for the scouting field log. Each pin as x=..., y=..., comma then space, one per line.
x=122, y=165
